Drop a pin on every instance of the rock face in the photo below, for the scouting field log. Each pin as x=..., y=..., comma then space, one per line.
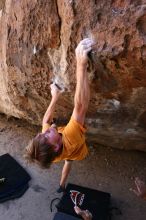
x=38, y=39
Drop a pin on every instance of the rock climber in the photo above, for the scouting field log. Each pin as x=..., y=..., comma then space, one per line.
x=66, y=143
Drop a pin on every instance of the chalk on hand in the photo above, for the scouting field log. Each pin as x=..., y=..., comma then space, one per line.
x=58, y=82
x=57, y=86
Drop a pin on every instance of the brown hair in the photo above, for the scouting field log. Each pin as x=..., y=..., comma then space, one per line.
x=38, y=150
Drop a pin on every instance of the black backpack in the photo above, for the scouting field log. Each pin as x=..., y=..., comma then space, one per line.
x=13, y=178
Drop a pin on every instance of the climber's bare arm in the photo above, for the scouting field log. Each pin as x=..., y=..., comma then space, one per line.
x=65, y=172
x=48, y=116
x=82, y=93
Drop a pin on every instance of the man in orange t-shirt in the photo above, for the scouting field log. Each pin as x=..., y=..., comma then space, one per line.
x=65, y=143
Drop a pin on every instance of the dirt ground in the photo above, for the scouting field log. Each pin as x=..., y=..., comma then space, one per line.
x=105, y=169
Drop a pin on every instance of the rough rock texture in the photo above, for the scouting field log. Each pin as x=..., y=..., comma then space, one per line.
x=37, y=43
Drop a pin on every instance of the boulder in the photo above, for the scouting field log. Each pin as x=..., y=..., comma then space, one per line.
x=38, y=40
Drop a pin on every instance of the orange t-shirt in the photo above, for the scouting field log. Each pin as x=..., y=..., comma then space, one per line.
x=73, y=137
